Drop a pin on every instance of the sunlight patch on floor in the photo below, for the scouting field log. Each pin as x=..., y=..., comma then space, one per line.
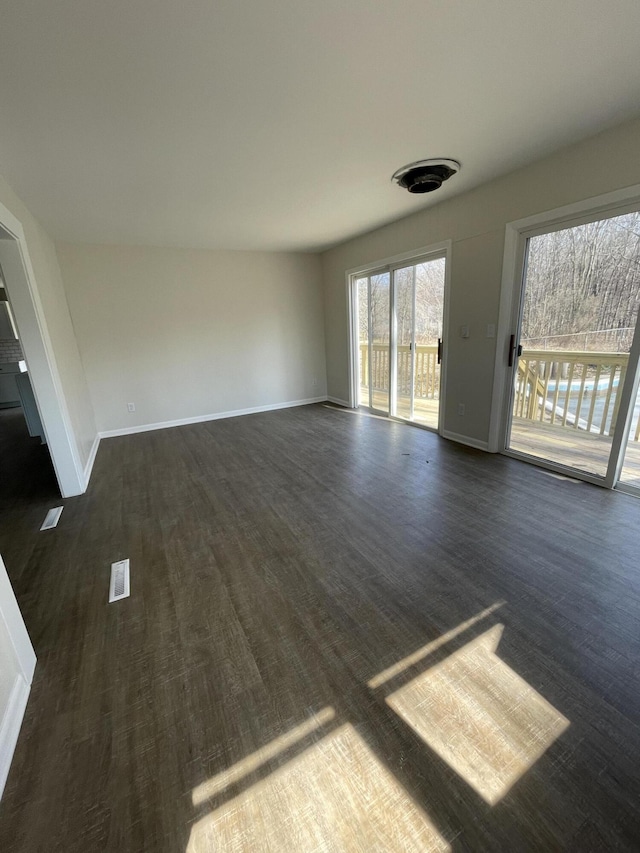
x=478, y=715
x=335, y=796
x=218, y=784
x=431, y=647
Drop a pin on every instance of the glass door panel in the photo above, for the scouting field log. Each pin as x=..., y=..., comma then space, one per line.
x=419, y=308
x=429, y=314
x=404, y=305
x=364, y=379
x=379, y=346
x=580, y=303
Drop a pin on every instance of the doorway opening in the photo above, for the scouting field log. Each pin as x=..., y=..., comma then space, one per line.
x=27, y=470
x=399, y=310
x=51, y=419
x=15, y=385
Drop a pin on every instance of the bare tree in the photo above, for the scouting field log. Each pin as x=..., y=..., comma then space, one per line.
x=583, y=285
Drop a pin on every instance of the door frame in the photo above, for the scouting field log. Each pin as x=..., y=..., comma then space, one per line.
x=25, y=660
x=517, y=233
x=432, y=251
x=26, y=306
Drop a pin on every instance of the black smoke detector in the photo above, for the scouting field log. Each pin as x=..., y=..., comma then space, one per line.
x=425, y=176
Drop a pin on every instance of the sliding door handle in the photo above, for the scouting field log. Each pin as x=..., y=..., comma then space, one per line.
x=439, y=350
x=514, y=350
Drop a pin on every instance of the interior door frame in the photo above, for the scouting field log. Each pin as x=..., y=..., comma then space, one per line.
x=25, y=660
x=426, y=253
x=517, y=233
x=28, y=313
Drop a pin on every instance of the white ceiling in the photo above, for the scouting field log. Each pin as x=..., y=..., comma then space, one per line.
x=276, y=124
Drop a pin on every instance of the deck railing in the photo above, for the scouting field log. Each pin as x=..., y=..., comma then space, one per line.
x=576, y=390
x=571, y=389
x=427, y=370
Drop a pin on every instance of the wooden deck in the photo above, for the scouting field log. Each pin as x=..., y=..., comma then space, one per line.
x=577, y=449
x=425, y=411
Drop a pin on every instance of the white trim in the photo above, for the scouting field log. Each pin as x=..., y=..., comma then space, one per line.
x=628, y=398
x=88, y=468
x=353, y=339
x=465, y=439
x=10, y=726
x=340, y=402
x=26, y=660
x=511, y=283
x=516, y=233
x=112, y=433
x=448, y=260
x=12, y=617
x=22, y=290
x=587, y=207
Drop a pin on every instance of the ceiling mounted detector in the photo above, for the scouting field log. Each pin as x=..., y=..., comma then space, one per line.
x=425, y=176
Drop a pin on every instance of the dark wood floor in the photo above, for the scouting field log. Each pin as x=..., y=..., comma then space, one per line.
x=28, y=487
x=344, y=634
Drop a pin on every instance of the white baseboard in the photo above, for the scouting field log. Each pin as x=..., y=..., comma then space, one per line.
x=466, y=439
x=88, y=468
x=112, y=433
x=339, y=402
x=10, y=726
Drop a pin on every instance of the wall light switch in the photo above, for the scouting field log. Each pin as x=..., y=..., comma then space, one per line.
x=464, y=331
x=491, y=330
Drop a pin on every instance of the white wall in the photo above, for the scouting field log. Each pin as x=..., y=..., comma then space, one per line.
x=58, y=323
x=188, y=333
x=475, y=222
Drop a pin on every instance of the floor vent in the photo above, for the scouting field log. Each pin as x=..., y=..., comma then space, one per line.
x=52, y=518
x=119, y=586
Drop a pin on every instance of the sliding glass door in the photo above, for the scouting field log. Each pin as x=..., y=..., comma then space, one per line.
x=400, y=320
x=574, y=359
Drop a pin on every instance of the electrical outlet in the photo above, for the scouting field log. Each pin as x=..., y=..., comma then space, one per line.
x=461, y=408
x=131, y=407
